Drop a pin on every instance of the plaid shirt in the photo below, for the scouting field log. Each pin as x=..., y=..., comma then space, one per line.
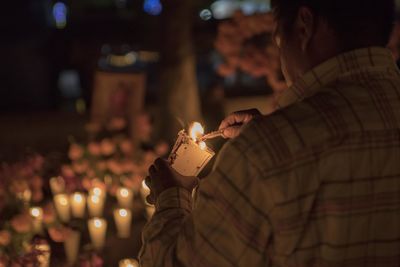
x=317, y=183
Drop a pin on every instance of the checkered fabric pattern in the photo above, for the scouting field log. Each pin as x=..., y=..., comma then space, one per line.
x=317, y=183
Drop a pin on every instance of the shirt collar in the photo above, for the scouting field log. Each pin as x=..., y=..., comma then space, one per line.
x=365, y=59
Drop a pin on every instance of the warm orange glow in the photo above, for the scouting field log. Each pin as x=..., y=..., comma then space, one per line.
x=196, y=131
x=202, y=145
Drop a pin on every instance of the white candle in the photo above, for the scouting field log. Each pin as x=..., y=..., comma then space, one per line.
x=95, y=205
x=61, y=202
x=78, y=203
x=123, y=221
x=97, y=191
x=71, y=247
x=43, y=256
x=57, y=185
x=37, y=219
x=128, y=263
x=97, y=230
x=124, y=197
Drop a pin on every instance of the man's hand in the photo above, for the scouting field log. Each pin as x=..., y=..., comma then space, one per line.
x=235, y=122
x=162, y=176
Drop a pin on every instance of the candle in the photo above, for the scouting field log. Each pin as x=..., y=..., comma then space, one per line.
x=95, y=205
x=71, y=247
x=123, y=221
x=97, y=230
x=57, y=185
x=124, y=197
x=37, y=219
x=189, y=155
x=61, y=202
x=43, y=256
x=128, y=263
x=78, y=203
x=97, y=191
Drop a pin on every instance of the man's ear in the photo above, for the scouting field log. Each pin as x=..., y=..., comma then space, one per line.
x=305, y=24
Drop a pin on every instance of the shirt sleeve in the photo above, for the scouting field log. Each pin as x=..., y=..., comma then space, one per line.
x=227, y=225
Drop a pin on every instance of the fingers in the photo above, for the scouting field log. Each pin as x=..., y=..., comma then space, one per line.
x=232, y=124
x=231, y=132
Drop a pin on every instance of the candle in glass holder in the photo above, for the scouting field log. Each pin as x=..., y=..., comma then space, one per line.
x=95, y=205
x=190, y=155
x=57, y=185
x=97, y=191
x=128, y=263
x=97, y=230
x=71, y=247
x=61, y=202
x=37, y=219
x=78, y=203
x=123, y=221
x=124, y=197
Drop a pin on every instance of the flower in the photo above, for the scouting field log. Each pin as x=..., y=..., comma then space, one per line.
x=126, y=146
x=21, y=223
x=107, y=147
x=5, y=238
x=75, y=152
x=94, y=148
x=59, y=233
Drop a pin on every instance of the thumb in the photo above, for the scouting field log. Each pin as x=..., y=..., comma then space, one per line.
x=231, y=132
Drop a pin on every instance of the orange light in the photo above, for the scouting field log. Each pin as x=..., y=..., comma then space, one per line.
x=196, y=131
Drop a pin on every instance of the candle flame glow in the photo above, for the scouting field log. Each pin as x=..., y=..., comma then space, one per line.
x=63, y=201
x=97, y=191
x=196, y=131
x=97, y=223
x=95, y=199
x=124, y=192
x=78, y=197
x=123, y=212
x=36, y=212
x=202, y=145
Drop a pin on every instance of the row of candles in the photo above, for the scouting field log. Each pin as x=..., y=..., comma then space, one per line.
x=75, y=205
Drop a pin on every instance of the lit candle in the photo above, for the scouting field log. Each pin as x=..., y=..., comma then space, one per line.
x=57, y=185
x=71, y=247
x=123, y=221
x=97, y=191
x=128, y=263
x=43, y=255
x=78, y=203
x=124, y=197
x=189, y=155
x=144, y=190
x=97, y=230
x=61, y=202
x=37, y=219
x=95, y=205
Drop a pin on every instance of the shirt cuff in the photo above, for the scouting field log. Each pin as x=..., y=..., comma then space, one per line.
x=174, y=197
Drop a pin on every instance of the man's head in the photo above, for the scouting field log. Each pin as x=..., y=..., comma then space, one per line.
x=311, y=31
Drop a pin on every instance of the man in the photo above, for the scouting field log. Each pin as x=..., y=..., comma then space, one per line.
x=316, y=183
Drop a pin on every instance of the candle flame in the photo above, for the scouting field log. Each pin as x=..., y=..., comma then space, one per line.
x=196, y=131
x=97, y=191
x=78, y=197
x=97, y=223
x=63, y=201
x=36, y=212
x=95, y=199
x=123, y=212
x=124, y=192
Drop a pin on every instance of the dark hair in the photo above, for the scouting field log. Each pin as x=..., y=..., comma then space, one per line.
x=355, y=22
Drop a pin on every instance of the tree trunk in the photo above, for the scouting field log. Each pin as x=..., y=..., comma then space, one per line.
x=179, y=96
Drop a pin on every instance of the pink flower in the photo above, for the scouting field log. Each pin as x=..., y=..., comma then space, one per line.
x=21, y=223
x=75, y=152
x=107, y=147
x=114, y=166
x=59, y=233
x=5, y=238
x=67, y=171
x=94, y=148
x=126, y=147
